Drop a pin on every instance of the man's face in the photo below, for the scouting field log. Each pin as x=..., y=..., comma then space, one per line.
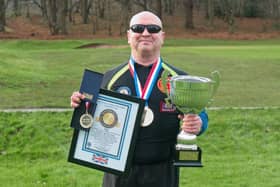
x=145, y=42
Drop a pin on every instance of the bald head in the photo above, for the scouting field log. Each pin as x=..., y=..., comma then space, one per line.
x=146, y=41
x=147, y=17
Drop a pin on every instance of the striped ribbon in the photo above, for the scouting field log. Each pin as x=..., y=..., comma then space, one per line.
x=145, y=92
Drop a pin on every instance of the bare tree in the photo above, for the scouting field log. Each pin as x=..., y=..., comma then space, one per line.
x=95, y=21
x=27, y=5
x=62, y=12
x=275, y=8
x=72, y=8
x=125, y=14
x=275, y=13
x=85, y=7
x=209, y=12
x=52, y=18
x=188, y=4
x=153, y=6
x=16, y=8
x=159, y=8
x=2, y=15
x=110, y=21
x=169, y=6
x=142, y=3
x=227, y=7
x=240, y=8
x=57, y=10
x=43, y=7
x=101, y=4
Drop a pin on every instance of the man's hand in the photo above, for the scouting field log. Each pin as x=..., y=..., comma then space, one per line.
x=191, y=123
x=76, y=99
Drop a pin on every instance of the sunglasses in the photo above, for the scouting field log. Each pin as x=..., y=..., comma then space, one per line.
x=139, y=28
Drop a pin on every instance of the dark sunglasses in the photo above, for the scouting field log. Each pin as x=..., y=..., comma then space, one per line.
x=139, y=28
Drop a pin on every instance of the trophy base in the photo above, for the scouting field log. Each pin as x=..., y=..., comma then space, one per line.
x=187, y=156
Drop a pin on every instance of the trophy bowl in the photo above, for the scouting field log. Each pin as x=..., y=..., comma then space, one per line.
x=191, y=94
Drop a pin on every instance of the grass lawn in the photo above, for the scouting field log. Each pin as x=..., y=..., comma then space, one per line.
x=45, y=73
x=240, y=148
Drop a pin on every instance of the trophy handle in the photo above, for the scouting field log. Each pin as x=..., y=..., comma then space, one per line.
x=165, y=82
x=216, y=78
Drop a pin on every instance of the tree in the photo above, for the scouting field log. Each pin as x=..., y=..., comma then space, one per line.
x=2, y=15
x=57, y=10
x=274, y=8
x=101, y=4
x=126, y=10
x=43, y=7
x=85, y=7
x=62, y=12
x=209, y=4
x=169, y=6
x=159, y=8
x=188, y=4
x=275, y=13
x=95, y=21
x=142, y=3
x=227, y=6
x=240, y=8
x=110, y=21
x=16, y=7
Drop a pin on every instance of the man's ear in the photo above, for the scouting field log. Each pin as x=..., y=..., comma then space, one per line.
x=162, y=37
x=128, y=36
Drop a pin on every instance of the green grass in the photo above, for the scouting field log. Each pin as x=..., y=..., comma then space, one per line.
x=239, y=149
x=44, y=73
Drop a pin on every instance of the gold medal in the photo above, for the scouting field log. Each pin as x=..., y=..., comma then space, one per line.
x=86, y=120
x=148, y=117
x=108, y=118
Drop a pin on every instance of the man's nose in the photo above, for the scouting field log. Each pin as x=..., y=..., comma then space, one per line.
x=146, y=32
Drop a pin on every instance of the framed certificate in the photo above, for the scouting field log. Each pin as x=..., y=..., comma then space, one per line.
x=109, y=144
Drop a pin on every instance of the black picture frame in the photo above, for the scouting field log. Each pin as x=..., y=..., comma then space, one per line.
x=105, y=148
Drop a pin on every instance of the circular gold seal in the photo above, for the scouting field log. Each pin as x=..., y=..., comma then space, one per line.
x=86, y=121
x=108, y=118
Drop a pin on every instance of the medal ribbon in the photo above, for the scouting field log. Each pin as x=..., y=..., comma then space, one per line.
x=87, y=106
x=144, y=93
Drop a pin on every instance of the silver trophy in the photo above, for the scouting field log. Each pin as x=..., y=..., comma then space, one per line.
x=190, y=94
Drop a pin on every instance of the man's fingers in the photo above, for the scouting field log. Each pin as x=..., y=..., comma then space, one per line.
x=191, y=123
x=192, y=129
x=74, y=105
x=191, y=118
x=76, y=99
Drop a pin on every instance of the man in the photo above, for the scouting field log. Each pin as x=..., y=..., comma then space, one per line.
x=141, y=77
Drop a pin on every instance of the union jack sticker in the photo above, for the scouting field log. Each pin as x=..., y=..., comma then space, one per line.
x=100, y=159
